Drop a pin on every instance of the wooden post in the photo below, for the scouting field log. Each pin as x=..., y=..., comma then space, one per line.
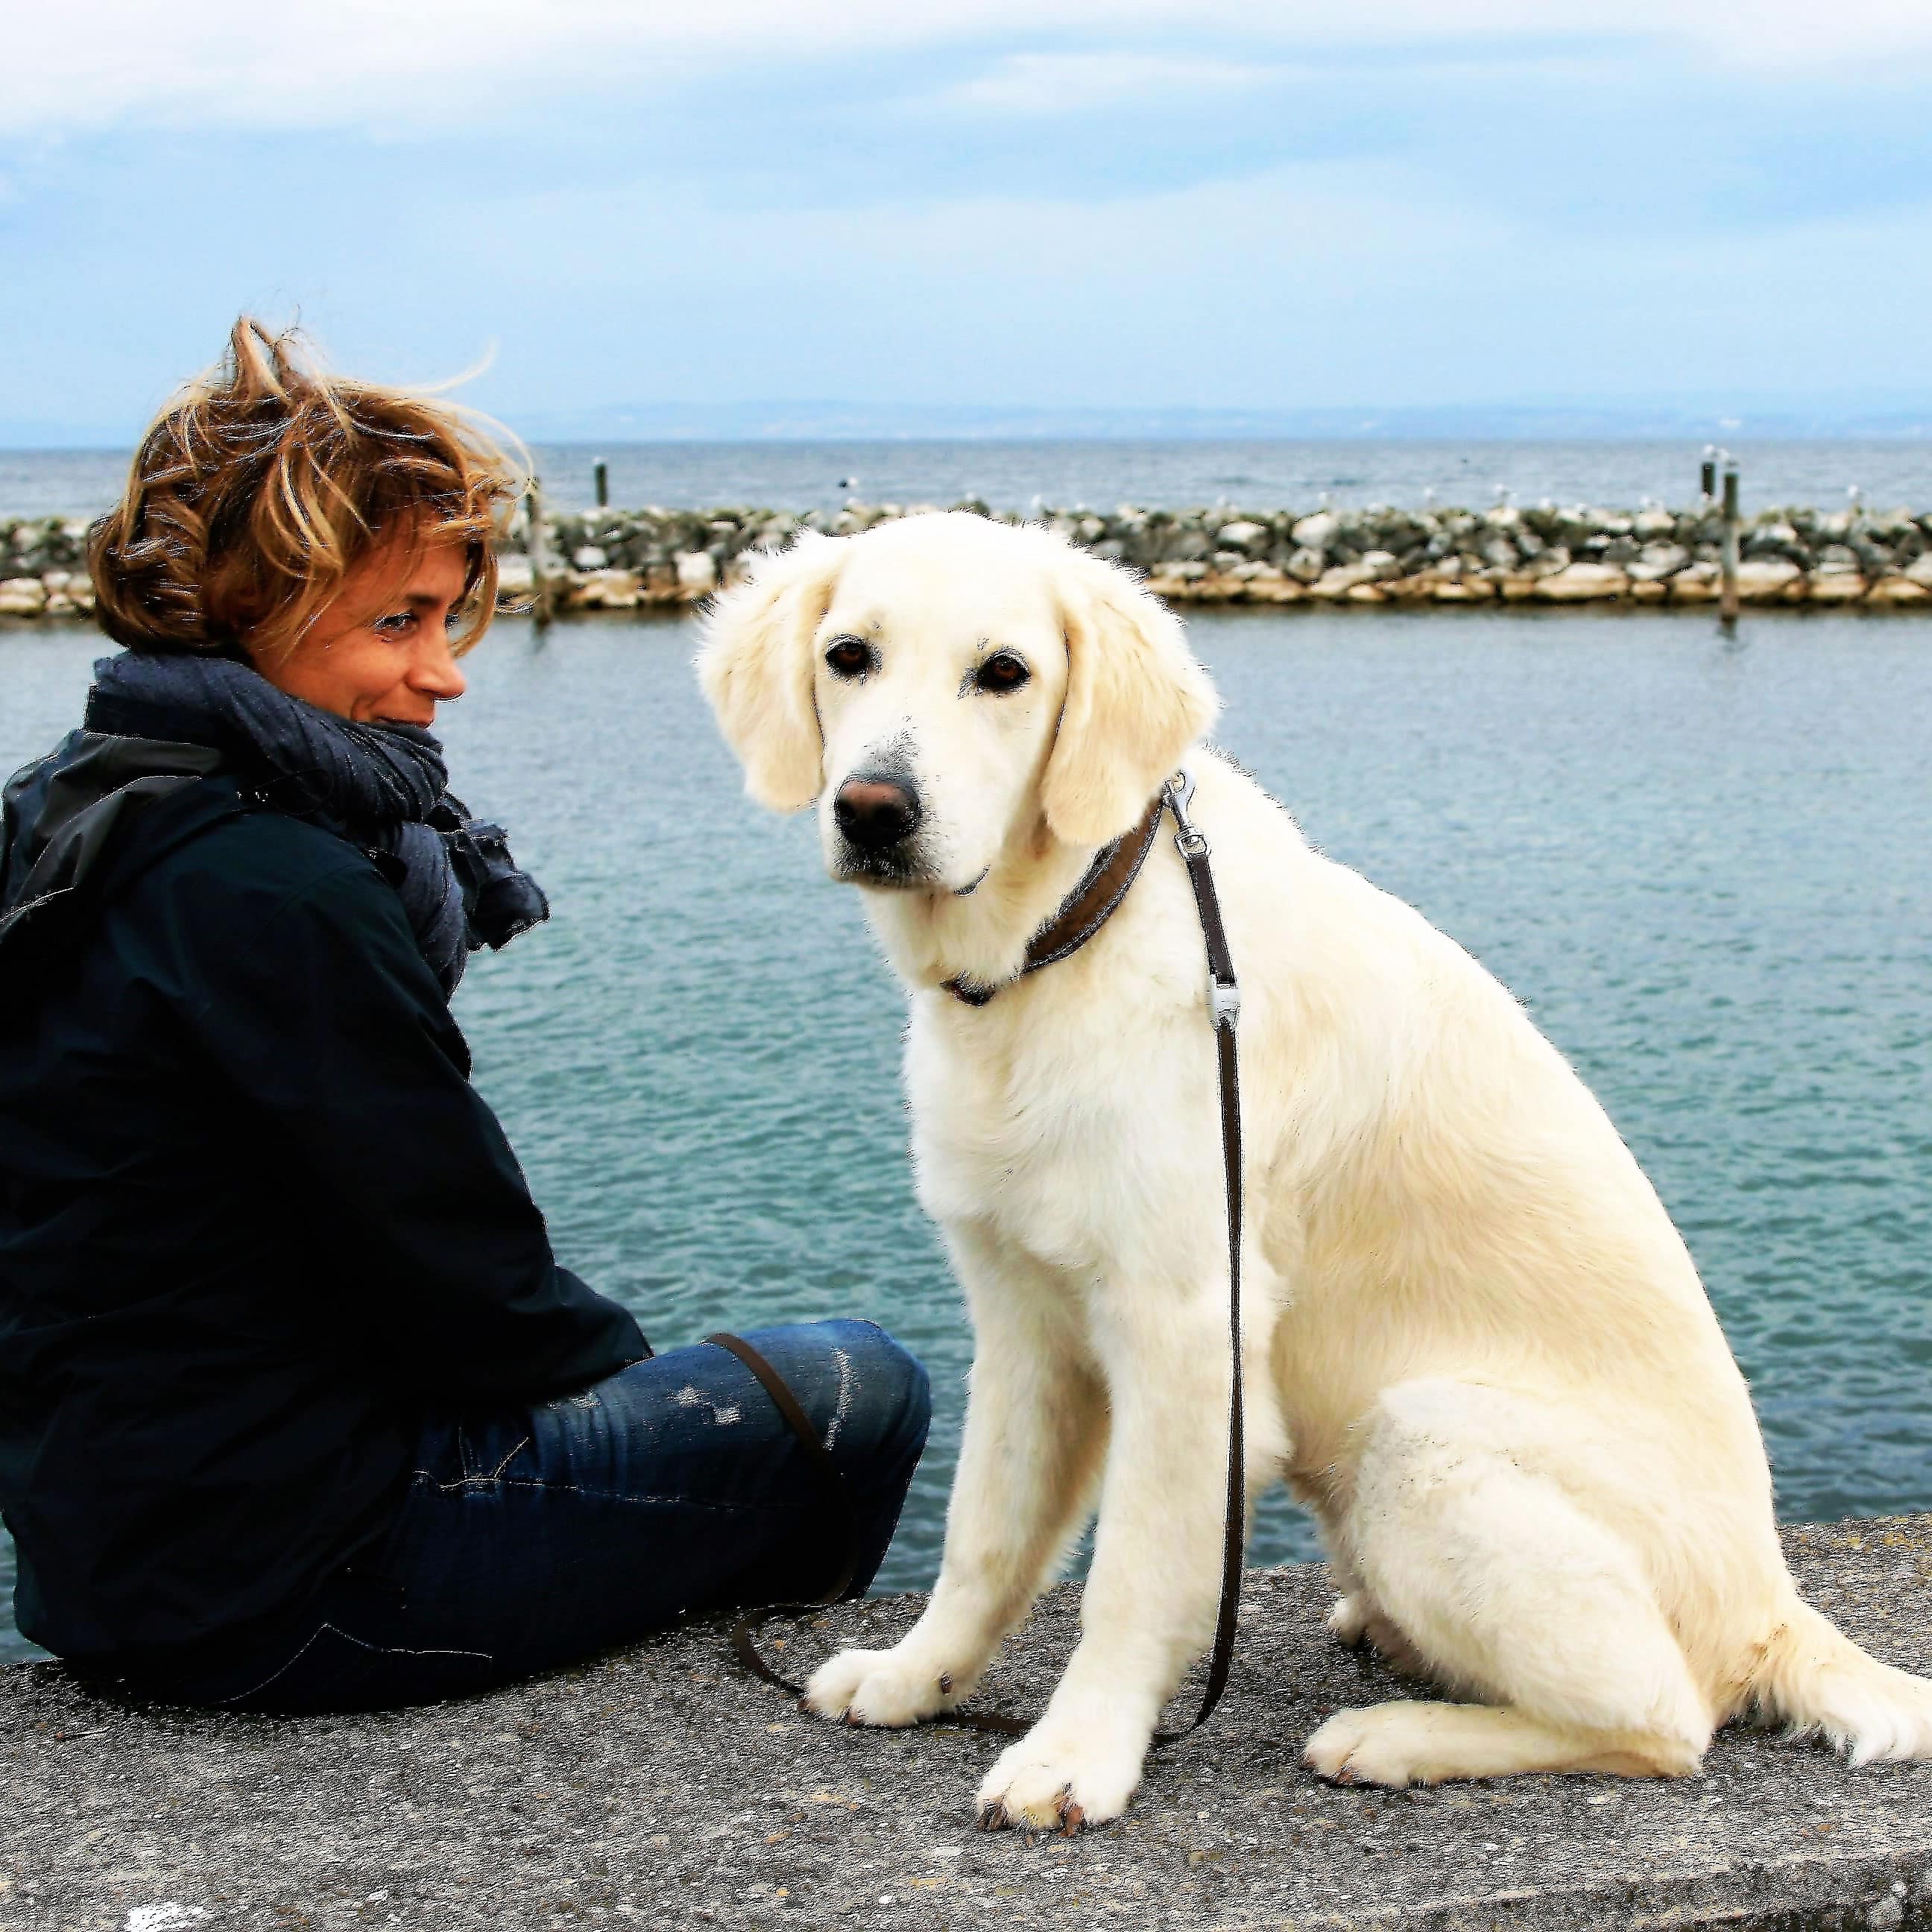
x=1709, y=475
x=537, y=541
x=1727, y=609
x=600, y=473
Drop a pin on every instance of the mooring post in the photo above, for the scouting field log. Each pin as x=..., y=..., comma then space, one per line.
x=536, y=541
x=600, y=474
x=1728, y=608
x=1709, y=484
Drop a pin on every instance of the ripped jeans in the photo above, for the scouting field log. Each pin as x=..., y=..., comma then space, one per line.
x=528, y=1537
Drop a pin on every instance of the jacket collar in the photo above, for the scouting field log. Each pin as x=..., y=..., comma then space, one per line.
x=66, y=819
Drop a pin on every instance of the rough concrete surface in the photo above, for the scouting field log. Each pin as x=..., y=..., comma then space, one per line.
x=660, y=1786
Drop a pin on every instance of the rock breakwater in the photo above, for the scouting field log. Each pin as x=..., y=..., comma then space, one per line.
x=611, y=560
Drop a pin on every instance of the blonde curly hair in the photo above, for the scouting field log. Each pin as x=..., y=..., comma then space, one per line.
x=263, y=483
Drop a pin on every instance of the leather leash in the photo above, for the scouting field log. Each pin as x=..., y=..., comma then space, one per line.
x=744, y=1631
x=1225, y=1007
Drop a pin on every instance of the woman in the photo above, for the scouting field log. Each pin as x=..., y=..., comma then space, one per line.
x=297, y=1409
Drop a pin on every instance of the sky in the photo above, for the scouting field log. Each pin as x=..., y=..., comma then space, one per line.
x=720, y=205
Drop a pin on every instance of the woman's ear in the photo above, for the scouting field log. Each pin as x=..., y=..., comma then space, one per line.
x=755, y=666
x=1135, y=701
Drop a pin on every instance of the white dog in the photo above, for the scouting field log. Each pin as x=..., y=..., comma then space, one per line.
x=1476, y=1348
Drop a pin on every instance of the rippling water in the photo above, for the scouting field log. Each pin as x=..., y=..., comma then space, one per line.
x=1265, y=475
x=1703, y=864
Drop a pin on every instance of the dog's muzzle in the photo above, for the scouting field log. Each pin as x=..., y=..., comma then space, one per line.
x=876, y=815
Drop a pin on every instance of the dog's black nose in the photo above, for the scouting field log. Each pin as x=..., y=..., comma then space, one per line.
x=875, y=813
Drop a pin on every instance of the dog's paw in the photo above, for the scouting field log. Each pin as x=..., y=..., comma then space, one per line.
x=1388, y=1744
x=880, y=1687
x=1055, y=1784
x=1358, y=1623
x=1349, y=1619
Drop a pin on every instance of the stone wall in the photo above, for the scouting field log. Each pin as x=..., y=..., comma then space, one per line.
x=629, y=559
x=43, y=567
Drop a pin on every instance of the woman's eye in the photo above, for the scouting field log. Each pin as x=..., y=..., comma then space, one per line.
x=396, y=625
x=848, y=657
x=1002, y=671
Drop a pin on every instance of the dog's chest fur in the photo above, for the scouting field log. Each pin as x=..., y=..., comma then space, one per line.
x=1063, y=1117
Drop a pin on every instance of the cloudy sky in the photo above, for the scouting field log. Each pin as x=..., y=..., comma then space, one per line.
x=1006, y=203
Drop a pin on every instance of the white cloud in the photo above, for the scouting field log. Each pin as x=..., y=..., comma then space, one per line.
x=1382, y=282
x=96, y=63
x=1317, y=284
x=1066, y=83
x=1008, y=300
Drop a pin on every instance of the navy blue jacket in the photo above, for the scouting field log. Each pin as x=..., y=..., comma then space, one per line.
x=255, y=1225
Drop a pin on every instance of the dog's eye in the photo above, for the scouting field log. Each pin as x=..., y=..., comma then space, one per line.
x=848, y=657
x=1002, y=671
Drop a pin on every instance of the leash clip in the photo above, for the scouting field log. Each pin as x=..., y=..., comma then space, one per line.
x=1224, y=999
x=1188, y=840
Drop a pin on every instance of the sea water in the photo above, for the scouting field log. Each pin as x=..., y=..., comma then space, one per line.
x=1701, y=862
x=1024, y=475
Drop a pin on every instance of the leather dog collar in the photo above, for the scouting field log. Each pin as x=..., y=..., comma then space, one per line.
x=1083, y=912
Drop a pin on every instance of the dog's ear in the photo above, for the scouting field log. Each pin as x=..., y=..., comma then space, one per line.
x=1136, y=699
x=755, y=665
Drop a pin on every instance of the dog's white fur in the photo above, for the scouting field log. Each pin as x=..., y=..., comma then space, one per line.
x=1477, y=1348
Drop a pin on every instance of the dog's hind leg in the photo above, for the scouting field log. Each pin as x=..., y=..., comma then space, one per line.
x=1037, y=1428
x=1510, y=1589
x=1425, y=1743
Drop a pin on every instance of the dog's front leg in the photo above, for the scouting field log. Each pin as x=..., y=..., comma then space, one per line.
x=1149, y=1607
x=1036, y=1430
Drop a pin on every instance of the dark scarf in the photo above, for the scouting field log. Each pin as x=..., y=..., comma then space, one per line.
x=384, y=788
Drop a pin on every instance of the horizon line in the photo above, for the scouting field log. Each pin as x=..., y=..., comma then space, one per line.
x=1902, y=429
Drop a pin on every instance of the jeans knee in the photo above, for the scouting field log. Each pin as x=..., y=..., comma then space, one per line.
x=870, y=1395
x=901, y=1387
x=884, y=1436
x=911, y=1387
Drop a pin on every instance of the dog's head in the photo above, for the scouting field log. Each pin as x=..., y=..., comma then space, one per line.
x=941, y=682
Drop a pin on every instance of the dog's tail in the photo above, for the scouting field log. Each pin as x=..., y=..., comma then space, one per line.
x=1815, y=1679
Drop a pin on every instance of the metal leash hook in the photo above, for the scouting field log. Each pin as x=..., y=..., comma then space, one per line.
x=1224, y=993
x=1188, y=841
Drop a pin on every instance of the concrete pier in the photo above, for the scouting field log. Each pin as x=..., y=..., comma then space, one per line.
x=661, y=1787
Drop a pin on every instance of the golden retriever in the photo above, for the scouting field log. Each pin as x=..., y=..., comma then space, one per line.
x=1477, y=1349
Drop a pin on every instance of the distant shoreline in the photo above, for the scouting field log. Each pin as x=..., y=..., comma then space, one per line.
x=1653, y=558
x=1170, y=475
x=831, y=422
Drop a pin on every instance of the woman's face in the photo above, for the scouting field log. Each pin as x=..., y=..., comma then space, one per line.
x=378, y=651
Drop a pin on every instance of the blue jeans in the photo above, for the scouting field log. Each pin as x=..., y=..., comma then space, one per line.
x=530, y=1537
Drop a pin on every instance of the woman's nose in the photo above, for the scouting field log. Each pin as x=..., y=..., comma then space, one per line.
x=436, y=672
